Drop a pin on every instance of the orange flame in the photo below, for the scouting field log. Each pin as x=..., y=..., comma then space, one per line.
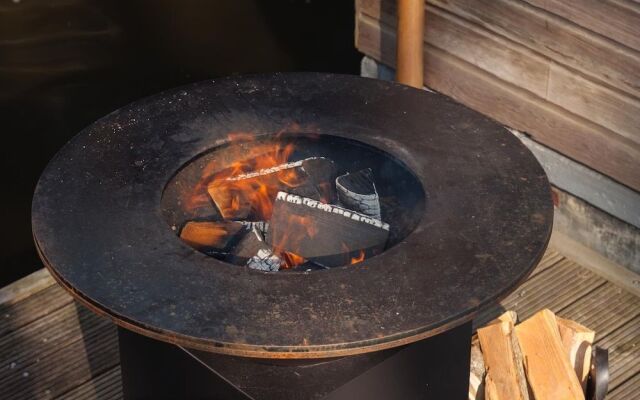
x=254, y=194
x=243, y=179
x=359, y=258
x=291, y=259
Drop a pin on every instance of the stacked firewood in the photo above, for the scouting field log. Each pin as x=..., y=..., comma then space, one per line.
x=543, y=358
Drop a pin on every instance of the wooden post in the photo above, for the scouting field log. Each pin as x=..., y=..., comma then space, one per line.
x=410, y=42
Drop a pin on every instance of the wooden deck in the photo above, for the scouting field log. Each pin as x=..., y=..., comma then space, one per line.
x=53, y=348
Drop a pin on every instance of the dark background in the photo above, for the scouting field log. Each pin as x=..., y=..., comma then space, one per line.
x=65, y=63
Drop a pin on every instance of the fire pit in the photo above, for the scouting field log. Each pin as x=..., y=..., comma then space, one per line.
x=393, y=215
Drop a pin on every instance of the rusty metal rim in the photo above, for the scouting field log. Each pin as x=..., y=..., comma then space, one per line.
x=82, y=264
x=294, y=352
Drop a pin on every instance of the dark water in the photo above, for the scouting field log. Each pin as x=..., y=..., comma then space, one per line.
x=65, y=63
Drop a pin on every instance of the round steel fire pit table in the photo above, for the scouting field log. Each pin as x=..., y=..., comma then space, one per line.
x=100, y=231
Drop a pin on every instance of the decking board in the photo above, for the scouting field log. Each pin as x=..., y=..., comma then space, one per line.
x=53, y=348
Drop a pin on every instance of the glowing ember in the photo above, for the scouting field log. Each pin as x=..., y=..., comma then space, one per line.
x=359, y=258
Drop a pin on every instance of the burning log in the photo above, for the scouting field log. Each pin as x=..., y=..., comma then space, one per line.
x=211, y=236
x=323, y=233
x=232, y=202
x=357, y=191
x=250, y=195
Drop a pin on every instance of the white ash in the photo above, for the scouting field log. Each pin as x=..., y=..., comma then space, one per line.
x=265, y=260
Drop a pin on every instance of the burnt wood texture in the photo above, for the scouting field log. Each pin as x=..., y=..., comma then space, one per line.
x=98, y=223
x=565, y=72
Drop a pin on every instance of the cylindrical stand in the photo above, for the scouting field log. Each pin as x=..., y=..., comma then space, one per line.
x=433, y=368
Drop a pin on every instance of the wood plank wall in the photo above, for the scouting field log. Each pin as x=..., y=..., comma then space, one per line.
x=567, y=72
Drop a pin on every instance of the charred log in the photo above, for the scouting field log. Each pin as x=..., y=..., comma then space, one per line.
x=250, y=195
x=323, y=233
x=357, y=191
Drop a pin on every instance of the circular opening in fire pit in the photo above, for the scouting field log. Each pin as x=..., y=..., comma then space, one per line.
x=293, y=202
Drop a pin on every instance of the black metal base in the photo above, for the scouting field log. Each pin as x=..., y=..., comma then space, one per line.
x=434, y=368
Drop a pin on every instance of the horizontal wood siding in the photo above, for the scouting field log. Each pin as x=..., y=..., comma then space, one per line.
x=605, y=17
x=572, y=89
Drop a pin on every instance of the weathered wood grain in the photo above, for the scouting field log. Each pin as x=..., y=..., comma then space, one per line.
x=624, y=352
x=597, y=103
x=38, y=304
x=555, y=38
x=606, y=18
x=597, y=230
x=106, y=386
x=583, y=182
x=469, y=42
x=524, y=68
x=628, y=390
x=605, y=310
x=580, y=139
x=25, y=287
x=555, y=288
x=596, y=262
x=58, y=372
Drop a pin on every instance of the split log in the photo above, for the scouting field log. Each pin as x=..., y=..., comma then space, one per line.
x=357, y=192
x=250, y=195
x=211, y=236
x=549, y=372
x=477, y=372
x=319, y=232
x=505, y=379
x=577, y=341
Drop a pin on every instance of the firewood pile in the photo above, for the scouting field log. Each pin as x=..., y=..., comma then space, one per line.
x=305, y=214
x=544, y=358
